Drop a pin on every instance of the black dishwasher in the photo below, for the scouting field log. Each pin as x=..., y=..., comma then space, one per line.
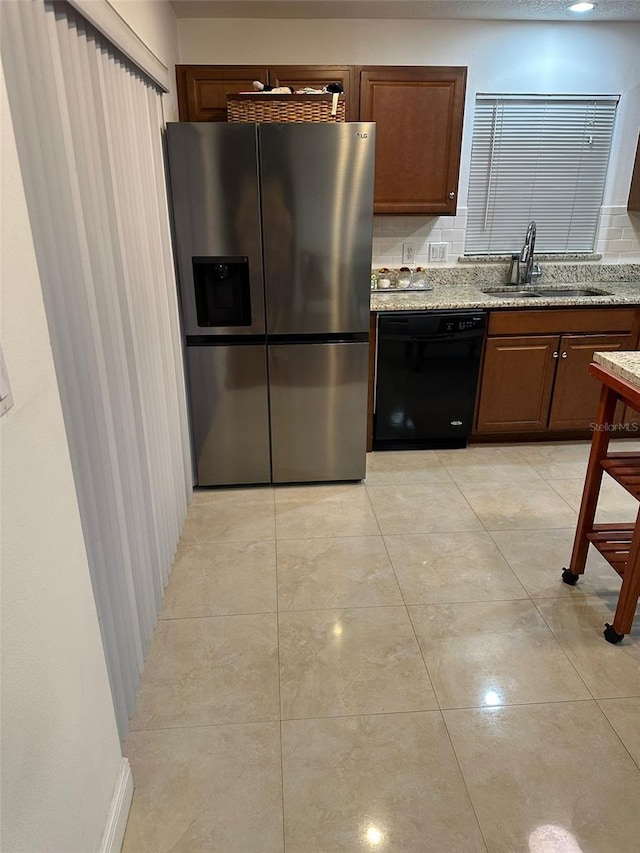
x=426, y=378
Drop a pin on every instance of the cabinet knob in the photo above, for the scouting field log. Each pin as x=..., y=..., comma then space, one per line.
x=564, y=355
x=452, y=194
x=556, y=354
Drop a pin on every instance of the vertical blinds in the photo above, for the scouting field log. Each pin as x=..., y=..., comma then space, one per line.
x=542, y=158
x=89, y=128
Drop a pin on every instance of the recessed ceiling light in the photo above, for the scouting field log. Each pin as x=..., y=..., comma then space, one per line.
x=581, y=7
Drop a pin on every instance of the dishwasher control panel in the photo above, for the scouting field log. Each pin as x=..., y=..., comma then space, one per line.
x=461, y=324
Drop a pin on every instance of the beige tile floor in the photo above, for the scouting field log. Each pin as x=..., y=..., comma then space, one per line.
x=391, y=666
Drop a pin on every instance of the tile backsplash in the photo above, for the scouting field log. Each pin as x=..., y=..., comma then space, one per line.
x=618, y=237
x=390, y=232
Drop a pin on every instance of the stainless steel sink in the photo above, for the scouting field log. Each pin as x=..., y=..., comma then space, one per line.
x=503, y=292
x=538, y=292
x=572, y=291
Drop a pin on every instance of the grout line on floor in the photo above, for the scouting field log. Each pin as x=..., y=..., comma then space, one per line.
x=442, y=711
x=274, y=721
x=508, y=562
x=401, y=604
x=467, y=502
x=215, y=615
x=435, y=693
x=625, y=747
x=342, y=536
x=280, y=704
x=406, y=608
x=190, y=543
x=564, y=651
x=464, y=782
x=439, y=711
x=430, y=532
x=373, y=509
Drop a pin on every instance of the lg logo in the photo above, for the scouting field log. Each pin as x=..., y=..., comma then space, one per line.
x=362, y=135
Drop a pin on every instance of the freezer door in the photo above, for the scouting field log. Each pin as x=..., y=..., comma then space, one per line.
x=213, y=170
x=317, y=210
x=318, y=411
x=229, y=414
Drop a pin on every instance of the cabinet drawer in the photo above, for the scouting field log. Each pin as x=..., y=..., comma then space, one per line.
x=561, y=320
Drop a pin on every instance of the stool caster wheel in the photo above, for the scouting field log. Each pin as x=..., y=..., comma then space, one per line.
x=611, y=635
x=569, y=577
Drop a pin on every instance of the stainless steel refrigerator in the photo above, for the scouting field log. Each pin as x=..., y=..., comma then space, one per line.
x=273, y=229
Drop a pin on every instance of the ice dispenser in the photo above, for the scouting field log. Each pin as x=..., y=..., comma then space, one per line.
x=222, y=291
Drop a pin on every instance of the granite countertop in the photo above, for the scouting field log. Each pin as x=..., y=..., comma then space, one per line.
x=460, y=295
x=626, y=365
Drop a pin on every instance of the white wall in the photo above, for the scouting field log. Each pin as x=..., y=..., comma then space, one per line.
x=154, y=22
x=510, y=57
x=60, y=748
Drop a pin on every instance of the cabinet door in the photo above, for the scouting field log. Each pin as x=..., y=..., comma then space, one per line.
x=203, y=89
x=317, y=76
x=631, y=420
x=419, y=112
x=517, y=381
x=576, y=392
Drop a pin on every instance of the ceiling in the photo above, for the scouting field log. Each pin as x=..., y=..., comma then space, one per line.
x=501, y=10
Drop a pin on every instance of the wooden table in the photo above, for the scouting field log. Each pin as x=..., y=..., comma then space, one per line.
x=619, y=544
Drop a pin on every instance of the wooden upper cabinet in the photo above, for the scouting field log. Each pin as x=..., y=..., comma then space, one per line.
x=634, y=192
x=203, y=89
x=418, y=113
x=317, y=76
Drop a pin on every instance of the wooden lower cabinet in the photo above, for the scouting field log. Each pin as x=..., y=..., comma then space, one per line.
x=631, y=419
x=517, y=381
x=576, y=393
x=538, y=382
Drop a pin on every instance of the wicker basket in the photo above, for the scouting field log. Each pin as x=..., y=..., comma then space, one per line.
x=274, y=108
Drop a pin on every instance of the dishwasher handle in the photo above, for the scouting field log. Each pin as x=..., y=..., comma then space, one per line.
x=458, y=337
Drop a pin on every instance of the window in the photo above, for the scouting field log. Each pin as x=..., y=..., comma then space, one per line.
x=539, y=157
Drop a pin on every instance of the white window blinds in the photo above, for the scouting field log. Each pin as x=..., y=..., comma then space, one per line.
x=538, y=157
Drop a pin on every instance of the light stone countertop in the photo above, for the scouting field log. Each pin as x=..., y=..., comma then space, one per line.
x=461, y=295
x=626, y=365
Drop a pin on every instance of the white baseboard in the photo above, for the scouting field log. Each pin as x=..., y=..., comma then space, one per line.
x=118, y=810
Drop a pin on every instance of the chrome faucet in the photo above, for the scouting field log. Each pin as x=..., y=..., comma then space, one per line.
x=529, y=270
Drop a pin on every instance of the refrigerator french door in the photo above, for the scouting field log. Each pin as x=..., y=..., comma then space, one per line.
x=215, y=192
x=317, y=202
x=273, y=249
